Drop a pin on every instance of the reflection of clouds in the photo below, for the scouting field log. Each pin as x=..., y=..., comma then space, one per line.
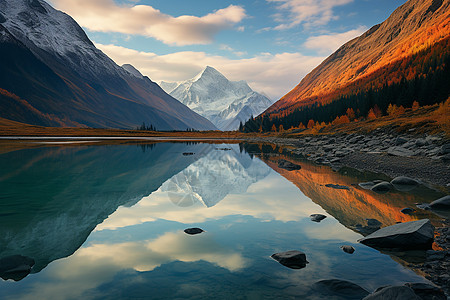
x=273, y=198
x=330, y=229
x=96, y=264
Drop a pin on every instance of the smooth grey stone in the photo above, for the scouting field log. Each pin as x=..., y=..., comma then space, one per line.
x=441, y=203
x=421, y=142
x=400, y=151
x=293, y=259
x=382, y=187
x=343, y=289
x=407, y=236
x=287, y=165
x=393, y=293
x=317, y=217
x=193, y=231
x=404, y=184
x=445, y=148
x=348, y=249
x=400, y=141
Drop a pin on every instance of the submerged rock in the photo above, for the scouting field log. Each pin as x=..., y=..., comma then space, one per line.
x=407, y=211
x=382, y=187
x=424, y=206
x=427, y=291
x=193, y=231
x=404, y=184
x=373, y=223
x=367, y=185
x=409, y=235
x=343, y=289
x=293, y=259
x=393, y=293
x=287, y=165
x=15, y=267
x=372, y=226
x=348, y=249
x=337, y=186
x=441, y=203
x=317, y=217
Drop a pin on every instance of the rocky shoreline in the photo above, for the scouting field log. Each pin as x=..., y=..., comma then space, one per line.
x=424, y=158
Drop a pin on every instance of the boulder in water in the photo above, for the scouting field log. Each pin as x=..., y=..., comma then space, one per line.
x=441, y=203
x=317, y=217
x=408, y=211
x=382, y=187
x=393, y=293
x=193, y=231
x=407, y=236
x=341, y=289
x=348, y=249
x=404, y=184
x=293, y=259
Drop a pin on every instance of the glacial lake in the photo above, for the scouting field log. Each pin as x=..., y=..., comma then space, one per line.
x=106, y=222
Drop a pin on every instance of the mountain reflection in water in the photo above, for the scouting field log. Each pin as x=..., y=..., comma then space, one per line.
x=117, y=215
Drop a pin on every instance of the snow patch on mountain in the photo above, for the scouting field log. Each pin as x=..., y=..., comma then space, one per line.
x=225, y=103
x=41, y=27
x=132, y=70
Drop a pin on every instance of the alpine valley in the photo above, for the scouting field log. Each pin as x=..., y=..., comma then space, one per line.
x=402, y=60
x=225, y=103
x=51, y=74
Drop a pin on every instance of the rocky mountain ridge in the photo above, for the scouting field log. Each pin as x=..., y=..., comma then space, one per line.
x=67, y=81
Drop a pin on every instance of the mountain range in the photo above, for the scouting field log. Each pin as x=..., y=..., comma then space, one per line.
x=404, y=59
x=51, y=74
x=225, y=103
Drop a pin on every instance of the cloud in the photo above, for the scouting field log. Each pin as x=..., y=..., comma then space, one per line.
x=230, y=49
x=308, y=12
x=273, y=74
x=97, y=264
x=328, y=43
x=107, y=16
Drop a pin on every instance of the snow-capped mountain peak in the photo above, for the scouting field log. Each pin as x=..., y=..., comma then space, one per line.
x=225, y=103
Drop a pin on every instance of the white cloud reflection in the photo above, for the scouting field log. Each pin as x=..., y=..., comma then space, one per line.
x=263, y=200
x=98, y=263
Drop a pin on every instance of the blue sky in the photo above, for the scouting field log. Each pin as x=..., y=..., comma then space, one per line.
x=272, y=44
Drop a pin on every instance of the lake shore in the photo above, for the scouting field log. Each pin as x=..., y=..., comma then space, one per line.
x=424, y=158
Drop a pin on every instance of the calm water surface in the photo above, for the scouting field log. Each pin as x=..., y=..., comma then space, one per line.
x=106, y=222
